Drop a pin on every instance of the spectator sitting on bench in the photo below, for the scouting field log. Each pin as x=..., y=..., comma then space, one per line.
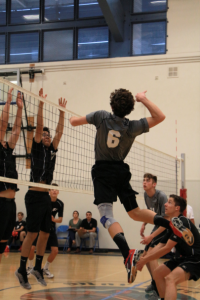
x=88, y=228
x=74, y=225
x=18, y=233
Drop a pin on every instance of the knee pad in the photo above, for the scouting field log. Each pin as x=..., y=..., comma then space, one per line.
x=107, y=221
x=2, y=247
x=106, y=214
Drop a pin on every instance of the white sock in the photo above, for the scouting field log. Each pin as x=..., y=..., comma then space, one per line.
x=30, y=263
x=47, y=265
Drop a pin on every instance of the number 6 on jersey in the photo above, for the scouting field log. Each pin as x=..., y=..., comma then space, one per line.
x=113, y=139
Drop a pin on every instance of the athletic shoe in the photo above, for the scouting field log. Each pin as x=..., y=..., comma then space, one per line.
x=23, y=280
x=149, y=288
x=47, y=273
x=181, y=231
x=28, y=271
x=39, y=276
x=20, y=248
x=154, y=296
x=7, y=249
x=130, y=265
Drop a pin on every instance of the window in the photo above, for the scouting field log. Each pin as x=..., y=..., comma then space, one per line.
x=93, y=42
x=62, y=46
x=149, y=38
x=2, y=48
x=141, y=6
x=24, y=47
x=24, y=12
x=2, y=12
x=89, y=8
x=55, y=10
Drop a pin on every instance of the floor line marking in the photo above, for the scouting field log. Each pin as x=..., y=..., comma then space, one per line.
x=128, y=289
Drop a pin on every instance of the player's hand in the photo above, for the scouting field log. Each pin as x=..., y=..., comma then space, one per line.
x=62, y=102
x=146, y=240
x=41, y=95
x=140, y=96
x=140, y=264
x=52, y=219
x=19, y=100
x=142, y=230
x=9, y=97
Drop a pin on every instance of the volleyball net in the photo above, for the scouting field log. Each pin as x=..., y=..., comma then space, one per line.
x=75, y=155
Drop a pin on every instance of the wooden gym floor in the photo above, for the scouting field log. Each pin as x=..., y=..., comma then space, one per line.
x=81, y=277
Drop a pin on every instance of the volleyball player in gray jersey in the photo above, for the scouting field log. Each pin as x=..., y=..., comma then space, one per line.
x=111, y=176
x=155, y=200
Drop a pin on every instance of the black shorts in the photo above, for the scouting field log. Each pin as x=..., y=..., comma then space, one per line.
x=52, y=240
x=156, y=240
x=38, y=208
x=7, y=218
x=189, y=264
x=111, y=179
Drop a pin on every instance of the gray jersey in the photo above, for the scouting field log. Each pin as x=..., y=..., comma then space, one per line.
x=115, y=135
x=157, y=202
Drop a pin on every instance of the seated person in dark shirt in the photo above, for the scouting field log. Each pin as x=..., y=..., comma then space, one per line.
x=88, y=228
x=177, y=269
x=19, y=231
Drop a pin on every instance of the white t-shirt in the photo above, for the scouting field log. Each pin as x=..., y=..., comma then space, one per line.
x=190, y=213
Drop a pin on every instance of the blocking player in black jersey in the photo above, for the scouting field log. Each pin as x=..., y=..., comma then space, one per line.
x=176, y=270
x=57, y=207
x=37, y=200
x=8, y=169
x=114, y=138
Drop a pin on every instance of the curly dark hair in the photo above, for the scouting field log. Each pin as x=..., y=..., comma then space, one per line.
x=122, y=102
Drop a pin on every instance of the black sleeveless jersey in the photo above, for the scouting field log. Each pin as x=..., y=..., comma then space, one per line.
x=43, y=161
x=7, y=167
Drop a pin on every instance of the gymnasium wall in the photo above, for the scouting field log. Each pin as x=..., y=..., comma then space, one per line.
x=87, y=85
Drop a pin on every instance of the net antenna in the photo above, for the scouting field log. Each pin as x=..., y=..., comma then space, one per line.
x=75, y=155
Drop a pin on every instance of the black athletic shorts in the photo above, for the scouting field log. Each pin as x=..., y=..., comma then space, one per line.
x=52, y=240
x=7, y=218
x=111, y=179
x=156, y=240
x=189, y=264
x=38, y=208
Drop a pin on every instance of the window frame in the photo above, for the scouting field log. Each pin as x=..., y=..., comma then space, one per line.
x=139, y=22
x=86, y=18
x=19, y=32
x=55, y=21
x=2, y=64
x=18, y=24
x=77, y=29
x=42, y=44
x=148, y=12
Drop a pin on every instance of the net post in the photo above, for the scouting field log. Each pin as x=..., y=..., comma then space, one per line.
x=183, y=190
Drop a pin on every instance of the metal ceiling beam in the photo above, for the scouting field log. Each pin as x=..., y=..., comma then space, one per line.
x=114, y=15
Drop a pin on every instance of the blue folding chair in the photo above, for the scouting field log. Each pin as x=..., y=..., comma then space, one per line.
x=62, y=234
x=83, y=241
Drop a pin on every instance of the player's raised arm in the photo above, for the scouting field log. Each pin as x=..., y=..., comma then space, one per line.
x=18, y=120
x=77, y=121
x=60, y=126
x=39, y=126
x=157, y=115
x=5, y=115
